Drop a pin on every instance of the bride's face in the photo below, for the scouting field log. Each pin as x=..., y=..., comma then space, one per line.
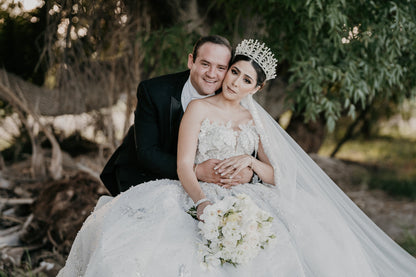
x=240, y=80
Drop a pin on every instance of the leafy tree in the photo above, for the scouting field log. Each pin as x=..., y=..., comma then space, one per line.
x=336, y=57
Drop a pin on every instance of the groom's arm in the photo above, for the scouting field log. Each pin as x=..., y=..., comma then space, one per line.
x=150, y=155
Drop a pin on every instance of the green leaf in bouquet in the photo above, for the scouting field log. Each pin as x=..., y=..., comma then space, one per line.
x=192, y=212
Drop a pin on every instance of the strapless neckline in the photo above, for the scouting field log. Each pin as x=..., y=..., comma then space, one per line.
x=229, y=124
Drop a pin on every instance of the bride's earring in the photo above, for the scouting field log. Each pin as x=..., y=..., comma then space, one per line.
x=254, y=92
x=259, y=87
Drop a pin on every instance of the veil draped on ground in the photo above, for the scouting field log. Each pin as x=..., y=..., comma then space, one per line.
x=296, y=172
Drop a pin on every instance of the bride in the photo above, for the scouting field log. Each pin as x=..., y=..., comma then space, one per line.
x=146, y=230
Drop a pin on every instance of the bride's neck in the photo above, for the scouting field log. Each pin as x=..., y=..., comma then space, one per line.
x=227, y=104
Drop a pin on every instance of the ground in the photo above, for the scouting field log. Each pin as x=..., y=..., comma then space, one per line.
x=36, y=233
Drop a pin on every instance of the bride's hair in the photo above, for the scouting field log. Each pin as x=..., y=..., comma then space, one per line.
x=261, y=76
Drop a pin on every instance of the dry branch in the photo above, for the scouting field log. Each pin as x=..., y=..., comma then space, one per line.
x=52, y=102
x=16, y=201
x=55, y=168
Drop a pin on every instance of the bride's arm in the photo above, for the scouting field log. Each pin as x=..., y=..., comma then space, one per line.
x=260, y=166
x=187, y=146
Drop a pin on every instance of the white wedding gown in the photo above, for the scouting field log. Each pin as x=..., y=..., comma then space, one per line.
x=146, y=231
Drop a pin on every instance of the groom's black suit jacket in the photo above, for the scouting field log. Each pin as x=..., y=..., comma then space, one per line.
x=148, y=152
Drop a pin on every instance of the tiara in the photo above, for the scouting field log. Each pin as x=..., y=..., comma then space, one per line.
x=260, y=53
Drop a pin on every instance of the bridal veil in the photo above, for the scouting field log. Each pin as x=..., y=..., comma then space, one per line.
x=296, y=172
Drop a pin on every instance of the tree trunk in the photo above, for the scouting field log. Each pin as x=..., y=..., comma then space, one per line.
x=349, y=134
x=309, y=136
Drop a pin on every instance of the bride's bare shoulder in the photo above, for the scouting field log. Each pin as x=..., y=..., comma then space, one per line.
x=200, y=105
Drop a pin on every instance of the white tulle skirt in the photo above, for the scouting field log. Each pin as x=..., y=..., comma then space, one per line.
x=146, y=231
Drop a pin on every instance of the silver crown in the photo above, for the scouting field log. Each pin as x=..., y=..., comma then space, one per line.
x=260, y=53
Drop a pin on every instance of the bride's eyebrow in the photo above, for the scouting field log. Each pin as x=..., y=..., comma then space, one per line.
x=236, y=68
x=239, y=71
x=248, y=76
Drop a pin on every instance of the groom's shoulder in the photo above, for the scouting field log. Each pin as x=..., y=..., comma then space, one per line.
x=167, y=80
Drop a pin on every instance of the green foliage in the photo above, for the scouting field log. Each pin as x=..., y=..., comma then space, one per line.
x=343, y=57
x=173, y=46
x=394, y=185
x=391, y=162
x=337, y=57
x=192, y=212
x=409, y=244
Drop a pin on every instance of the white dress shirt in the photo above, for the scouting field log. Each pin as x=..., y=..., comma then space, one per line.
x=189, y=93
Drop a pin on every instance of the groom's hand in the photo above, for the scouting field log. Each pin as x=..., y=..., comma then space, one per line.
x=205, y=171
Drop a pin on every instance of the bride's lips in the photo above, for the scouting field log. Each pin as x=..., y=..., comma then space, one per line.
x=232, y=91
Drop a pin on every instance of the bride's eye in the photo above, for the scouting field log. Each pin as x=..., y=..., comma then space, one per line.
x=233, y=71
x=247, y=81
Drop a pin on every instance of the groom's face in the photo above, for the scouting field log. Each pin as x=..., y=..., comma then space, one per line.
x=209, y=68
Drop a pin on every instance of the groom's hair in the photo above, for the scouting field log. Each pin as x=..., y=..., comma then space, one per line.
x=213, y=39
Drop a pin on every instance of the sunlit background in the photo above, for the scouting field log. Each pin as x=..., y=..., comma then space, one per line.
x=29, y=5
x=345, y=91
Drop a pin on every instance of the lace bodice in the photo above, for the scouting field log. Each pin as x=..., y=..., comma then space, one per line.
x=220, y=141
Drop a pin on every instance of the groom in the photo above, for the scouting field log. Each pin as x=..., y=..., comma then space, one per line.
x=148, y=152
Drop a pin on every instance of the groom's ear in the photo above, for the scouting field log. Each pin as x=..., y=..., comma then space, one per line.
x=190, y=61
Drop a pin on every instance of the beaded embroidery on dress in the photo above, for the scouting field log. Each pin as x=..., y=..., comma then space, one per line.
x=146, y=231
x=220, y=141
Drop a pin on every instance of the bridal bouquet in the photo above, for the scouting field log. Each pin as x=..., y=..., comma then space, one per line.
x=234, y=230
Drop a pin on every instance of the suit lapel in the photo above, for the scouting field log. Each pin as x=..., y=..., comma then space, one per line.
x=176, y=110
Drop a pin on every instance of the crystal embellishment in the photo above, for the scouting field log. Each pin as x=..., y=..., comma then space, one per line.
x=260, y=53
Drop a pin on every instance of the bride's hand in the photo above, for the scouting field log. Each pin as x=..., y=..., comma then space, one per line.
x=243, y=177
x=200, y=209
x=205, y=172
x=234, y=165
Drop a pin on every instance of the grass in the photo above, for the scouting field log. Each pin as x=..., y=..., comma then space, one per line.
x=391, y=164
x=395, y=186
x=391, y=160
x=24, y=270
x=409, y=244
